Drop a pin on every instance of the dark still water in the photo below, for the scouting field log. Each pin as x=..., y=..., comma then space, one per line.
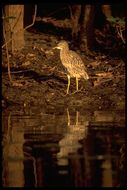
x=69, y=149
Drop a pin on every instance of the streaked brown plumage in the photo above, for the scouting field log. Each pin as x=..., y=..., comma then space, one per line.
x=72, y=62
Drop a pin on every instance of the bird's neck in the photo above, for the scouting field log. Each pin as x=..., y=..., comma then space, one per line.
x=64, y=50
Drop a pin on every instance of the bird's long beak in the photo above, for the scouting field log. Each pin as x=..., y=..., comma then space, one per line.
x=56, y=47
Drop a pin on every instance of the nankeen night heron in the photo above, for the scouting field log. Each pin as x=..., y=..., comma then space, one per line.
x=72, y=62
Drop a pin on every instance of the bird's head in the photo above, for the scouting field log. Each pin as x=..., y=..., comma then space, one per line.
x=62, y=45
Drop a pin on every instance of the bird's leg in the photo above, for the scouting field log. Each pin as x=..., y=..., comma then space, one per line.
x=77, y=90
x=68, y=117
x=77, y=118
x=68, y=76
x=76, y=84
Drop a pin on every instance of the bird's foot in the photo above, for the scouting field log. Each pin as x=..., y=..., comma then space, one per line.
x=66, y=94
x=77, y=91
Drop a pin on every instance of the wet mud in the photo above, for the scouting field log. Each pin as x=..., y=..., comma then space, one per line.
x=39, y=79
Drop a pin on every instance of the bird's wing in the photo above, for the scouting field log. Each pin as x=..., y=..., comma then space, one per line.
x=77, y=67
x=76, y=60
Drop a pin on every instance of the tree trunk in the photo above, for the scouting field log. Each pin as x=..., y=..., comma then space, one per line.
x=75, y=15
x=87, y=29
x=106, y=9
x=13, y=26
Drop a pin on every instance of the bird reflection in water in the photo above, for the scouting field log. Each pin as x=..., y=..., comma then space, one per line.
x=70, y=144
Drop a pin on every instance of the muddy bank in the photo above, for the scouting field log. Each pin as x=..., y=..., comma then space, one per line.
x=39, y=79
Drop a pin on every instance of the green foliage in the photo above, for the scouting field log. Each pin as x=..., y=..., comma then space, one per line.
x=119, y=25
x=117, y=21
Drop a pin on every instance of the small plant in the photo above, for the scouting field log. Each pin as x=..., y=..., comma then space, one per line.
x=119, y=25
